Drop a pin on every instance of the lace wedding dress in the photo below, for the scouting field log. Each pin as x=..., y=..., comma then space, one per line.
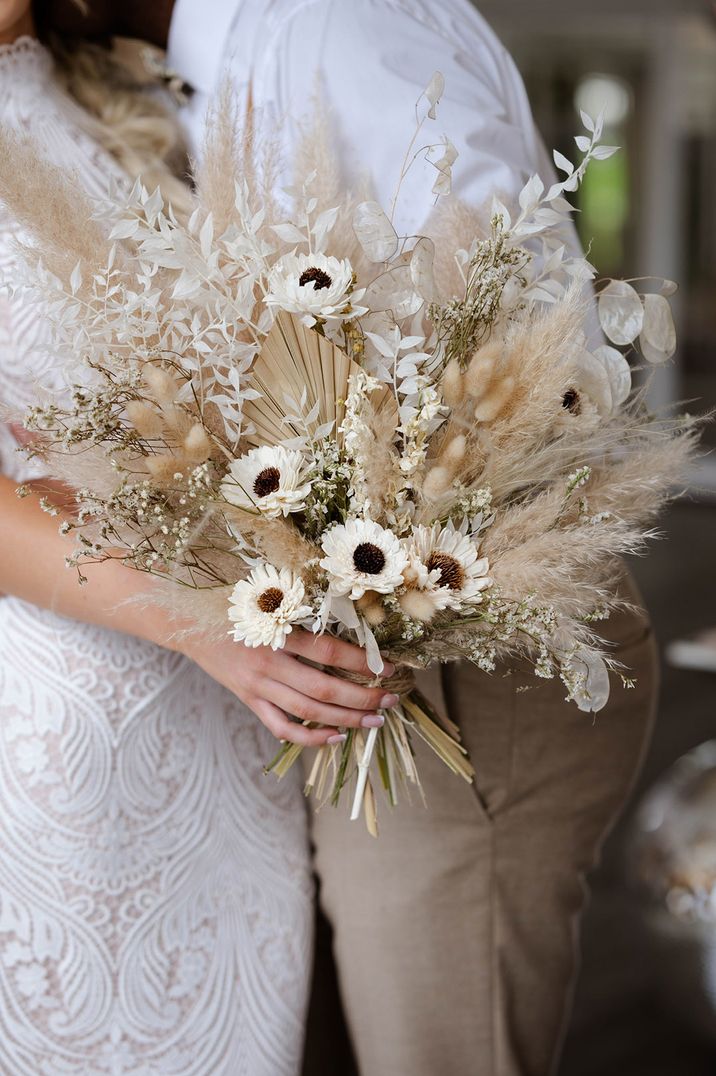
x=155, y=895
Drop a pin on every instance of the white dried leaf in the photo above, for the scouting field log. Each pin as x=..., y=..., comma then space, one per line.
x=125, y=229
x=206, y=236
x=562, y=163
x=76, y=279
x=658, y=335
x=443, y=184
x=554, y=260
x=374, y=232
x=344, y=611
x=587, y=120
x=618, y=372
x=531, y=193
x=593, y=380
x=621, y=313
x=434, y=91
x=499, y=209
x=289, y=233
x=596, y=690
x=421, y=269
x=539, y=294
x=381, y=345
x=583, y=143
x=394, y=291
x=372, y=650
x=323, y=226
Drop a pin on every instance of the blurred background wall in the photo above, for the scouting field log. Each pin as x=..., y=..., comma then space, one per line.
x=651, y=64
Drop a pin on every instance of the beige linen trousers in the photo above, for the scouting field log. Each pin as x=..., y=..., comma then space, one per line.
x=456, y=931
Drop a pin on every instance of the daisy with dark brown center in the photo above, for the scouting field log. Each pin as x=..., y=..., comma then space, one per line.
x=444, y=572
x=265, y=607
x=314, y=286
x=269, y=479
x=318, y=277
x=269, y=600
x=451, y=573
x=369, y=558
x=361, y=555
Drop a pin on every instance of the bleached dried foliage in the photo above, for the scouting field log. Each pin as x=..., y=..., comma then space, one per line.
x=404, y=441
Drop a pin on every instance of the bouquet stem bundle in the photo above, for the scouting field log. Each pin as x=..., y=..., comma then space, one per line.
x=336, y=766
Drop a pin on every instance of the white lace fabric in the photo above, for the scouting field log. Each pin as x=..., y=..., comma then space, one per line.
x=155, y=894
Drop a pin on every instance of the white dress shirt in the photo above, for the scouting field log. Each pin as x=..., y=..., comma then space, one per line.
x=370, y=60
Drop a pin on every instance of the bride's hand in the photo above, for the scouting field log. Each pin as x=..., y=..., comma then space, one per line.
x=277, y=687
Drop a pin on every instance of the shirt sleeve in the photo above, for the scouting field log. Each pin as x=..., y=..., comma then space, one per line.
x=374, y=58
x=198, y=35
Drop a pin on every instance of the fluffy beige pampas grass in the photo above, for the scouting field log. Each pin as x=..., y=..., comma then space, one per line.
x=50, y=205
x=234, y=155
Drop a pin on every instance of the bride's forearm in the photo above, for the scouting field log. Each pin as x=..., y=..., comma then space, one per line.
x=32, y=567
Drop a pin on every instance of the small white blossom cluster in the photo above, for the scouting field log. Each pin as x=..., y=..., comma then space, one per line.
x=358, y=439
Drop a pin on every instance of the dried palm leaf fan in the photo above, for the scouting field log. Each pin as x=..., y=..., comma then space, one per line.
x=294, y=358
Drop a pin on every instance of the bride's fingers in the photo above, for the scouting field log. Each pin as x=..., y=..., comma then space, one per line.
x=325, y=687
x=281, y=726
x=326, y=650
x=307, y=709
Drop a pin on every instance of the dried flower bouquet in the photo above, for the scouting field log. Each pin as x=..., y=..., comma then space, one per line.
x=304, y=420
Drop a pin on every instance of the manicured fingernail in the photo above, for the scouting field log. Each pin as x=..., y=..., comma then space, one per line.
x=340, y=737
x=389, y=700
x=372, y=721
x=388, y=668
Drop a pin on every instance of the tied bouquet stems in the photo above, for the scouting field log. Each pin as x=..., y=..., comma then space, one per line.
x=300, y=419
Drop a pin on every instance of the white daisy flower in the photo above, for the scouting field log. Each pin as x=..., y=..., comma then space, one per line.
x=361, y=555
x=269, y=478
x=312, y=285
x=444, y=567
x=265, y=606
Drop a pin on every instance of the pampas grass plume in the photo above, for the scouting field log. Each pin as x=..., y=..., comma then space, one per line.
x=144, y=418
x=453, y=384
x=371, y=608
x=482, y=367
x=495, y=400
x=163, y=467
x=417, y=605
x=161, y=384
x=454, y=452
x=197, y=445
x=436, y=483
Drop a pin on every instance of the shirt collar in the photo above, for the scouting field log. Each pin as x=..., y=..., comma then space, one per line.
x=198, y=34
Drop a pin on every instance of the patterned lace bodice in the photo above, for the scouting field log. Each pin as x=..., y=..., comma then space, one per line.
x=155, y=897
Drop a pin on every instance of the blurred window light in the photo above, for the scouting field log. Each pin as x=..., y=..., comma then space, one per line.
x=596, y=93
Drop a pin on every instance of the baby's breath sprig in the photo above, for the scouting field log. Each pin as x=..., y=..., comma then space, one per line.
x=463, y=324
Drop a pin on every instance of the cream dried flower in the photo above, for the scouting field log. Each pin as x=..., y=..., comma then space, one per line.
x=269, y=478
x=314, y=286
x=360, y=556
x=445, y=568
x=264, y=607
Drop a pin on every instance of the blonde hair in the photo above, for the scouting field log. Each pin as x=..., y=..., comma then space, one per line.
x=127, y=118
